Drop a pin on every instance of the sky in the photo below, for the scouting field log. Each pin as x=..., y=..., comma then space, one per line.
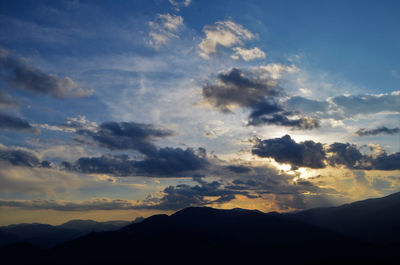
x=111, y=110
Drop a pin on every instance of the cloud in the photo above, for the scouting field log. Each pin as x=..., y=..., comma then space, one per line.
x=376, y=131
x=19, y=74
x=60, y=205
x=72, y=124
x=368, y=104
x=349, y=106
x=165, y=162
x=316, y=155
x=258, y=91
x=8, y=122
x=239, y=88
x=7, y=101
x=248, y=54
x=127, y=135
x=222, y=34
x=33, y=178
x=350, y=156
x=164, y=28
x=345, y=154
x=286, y=150
x=181, y=196
x=178, y=3
x=239, y=169
x=282, y=119
x=22, y=158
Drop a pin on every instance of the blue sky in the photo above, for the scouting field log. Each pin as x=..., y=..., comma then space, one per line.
x=130, y=108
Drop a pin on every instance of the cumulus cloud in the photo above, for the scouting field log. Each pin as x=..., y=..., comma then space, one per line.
x=127, y=135
x=257, y=91
x=350, y=156
x=166, y=162
x=316, y=155
x=248, y=54
x=205, y=193
x=376, y=131
x=239, y=88
x=286, y=150
x=8, y=122
x=24, y=158
x=164, y=28
x=222, y=34
x=20, y=75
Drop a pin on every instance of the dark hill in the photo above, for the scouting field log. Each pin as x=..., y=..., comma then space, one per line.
x=376, y=220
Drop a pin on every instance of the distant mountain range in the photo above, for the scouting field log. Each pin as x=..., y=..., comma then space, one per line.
x=364, y=232
x=46, y=236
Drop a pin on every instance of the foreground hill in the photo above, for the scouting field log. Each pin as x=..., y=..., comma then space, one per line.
x=201, y=235
x=374, y=220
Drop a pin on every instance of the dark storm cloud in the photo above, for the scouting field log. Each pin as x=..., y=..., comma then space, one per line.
x=165, y=162
x=376, y=131
x=127, y=135
x=22, y=158
x=239, y=88
x=8, y=122
x=19, y=74
x=286, y=150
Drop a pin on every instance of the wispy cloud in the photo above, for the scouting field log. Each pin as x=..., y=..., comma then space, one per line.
x=164, y=28
x=226, y=34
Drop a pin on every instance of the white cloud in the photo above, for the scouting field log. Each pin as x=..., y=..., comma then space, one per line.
x=225, y=34
x=275, y=70
x=248, y=54
x=177, y=4
x=164, y=28
x=71, y=125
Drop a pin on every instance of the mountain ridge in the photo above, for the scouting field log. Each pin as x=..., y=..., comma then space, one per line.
x=200, y=234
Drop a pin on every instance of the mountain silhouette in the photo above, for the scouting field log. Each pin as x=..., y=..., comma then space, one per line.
x=375, y=220
x=202, y=235
x=46, y=236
